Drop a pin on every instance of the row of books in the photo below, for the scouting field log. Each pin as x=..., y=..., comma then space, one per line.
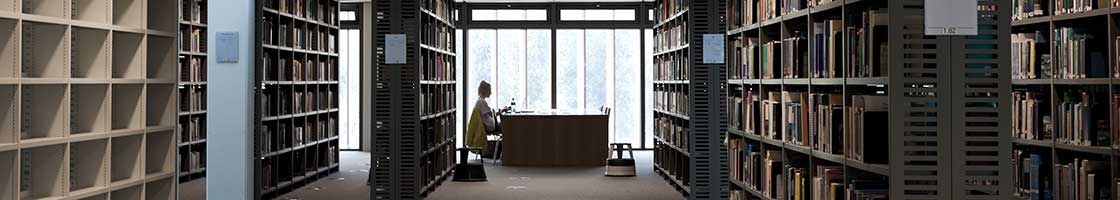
x=436, y=99
x=770, y=57
x=741, y=63
x=441, y=8
x=1082, y=179
x=192, y=39
x=795, y=56
x=283, y=168
x=192, y=128
x=1031, y=174
x=744, y=113
x=673, y=163
x=1029, y=57
x=672, y=131
x=192, y=98
x=192, y=11
x=195, y=161
x=771, y=116
x=1079, y=121
x=671, y=36
x=868, y=44
x=673, y=66
x=192, y=70
x=1026, y=9
x=1079, y=6
x=741, y=13
x=437, y=67
x=433, y=166
x=671, y=98
x=827, y=48
x=866, y=53
x=279, y=136
x=1030, y=118
x=298, y=36
x=742, y=160
x=286, y=101
x=289, y=69
x=668, y=8
x=768, y=9
x=865, y=129
x=827, y=183
x=1075, y=59
x=437, y=35
x=437, y=130
x=318, y=10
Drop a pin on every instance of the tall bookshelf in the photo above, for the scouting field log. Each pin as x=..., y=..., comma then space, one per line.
x=297, y=106
x=689, y=122
x=1066, y=98
x=192, y=90
x=88, y=99
x=415, y=103
x=828, y=99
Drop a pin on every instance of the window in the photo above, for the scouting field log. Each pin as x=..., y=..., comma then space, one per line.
x=509, y=15
x=347, y=16
x=597, y=15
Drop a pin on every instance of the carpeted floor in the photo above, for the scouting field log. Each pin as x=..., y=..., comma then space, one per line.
x=504, y=183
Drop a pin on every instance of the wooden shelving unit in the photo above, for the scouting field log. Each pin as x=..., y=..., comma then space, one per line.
x=1046, y=92
x=687, y=97
x=418, y=140
x=820, y=100
x=192, y=89
x=88, y=93
x=297, y=67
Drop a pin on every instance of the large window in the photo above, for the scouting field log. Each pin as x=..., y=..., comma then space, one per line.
x=595, y=68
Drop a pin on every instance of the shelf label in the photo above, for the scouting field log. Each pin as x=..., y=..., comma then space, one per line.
x=395, y=49
x=950, y=17
x=713, y=49
x=227, y=46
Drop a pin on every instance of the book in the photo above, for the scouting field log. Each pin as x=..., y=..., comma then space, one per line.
x=867, y=114
x=827, y=122
x=795, y=56
x=827, y=48
x=1026, y=57
x=1025, y=9
x=1027, y=114
x=1079, y=121
x=1076, y=59
x=867, y=45
x=772, y=116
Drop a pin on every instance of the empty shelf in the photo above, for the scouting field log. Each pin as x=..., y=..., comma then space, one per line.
x=161, y=58
x=91, y=10
x=126, y=158
x=44, y=55
x=126, y=107
x=127, y=56
x=9, y=47
x=44, y=111
x=8, y=180
x=53, y=8
x=91, y=51
x=162, y=22
x=129, y=13
x=42, y=172
x=160, y=152
x=161, y=105
x=88, y=164
x=160, y=189
x=89, y=109
x=130, y=193
x=9, y=114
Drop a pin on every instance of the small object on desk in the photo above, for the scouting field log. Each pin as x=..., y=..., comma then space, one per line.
x=465, y=171
x=619, y=166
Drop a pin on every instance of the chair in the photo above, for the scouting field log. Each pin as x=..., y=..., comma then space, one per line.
x=619, y=166
x=465, y=171
x=496, y=149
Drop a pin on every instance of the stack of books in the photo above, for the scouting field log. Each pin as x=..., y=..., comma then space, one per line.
x=1030, y=118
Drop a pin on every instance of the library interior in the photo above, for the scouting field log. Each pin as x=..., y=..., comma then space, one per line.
x=559, y=99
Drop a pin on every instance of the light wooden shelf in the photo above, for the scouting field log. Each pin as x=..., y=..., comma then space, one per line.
x=161, y=53
x=127, y=110
x=44, y=50
x=160, y=15
x=9, y=47
x=161, y=105
x=163, y=189
x=45, y=111
x=128, y=55
x=51, y=8
x=8, y=6
x=9, y=173
x=43, y=172
x=91, y=10
x=9, y=114
x=89, y=109
x=160, y=153
x=88, y=164
x=90, y=53
x=129, y=13
x=130, y=193
x=126, y=157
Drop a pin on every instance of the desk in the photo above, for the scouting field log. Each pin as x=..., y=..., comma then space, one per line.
x=554, y=138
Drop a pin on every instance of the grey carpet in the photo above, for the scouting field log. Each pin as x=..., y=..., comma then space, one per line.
x=504, y=183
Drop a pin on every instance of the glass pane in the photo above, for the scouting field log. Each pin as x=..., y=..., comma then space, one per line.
x=511, y=15
x=344, y=95
x=510, y=86
x=483, y=15
x=600, y=59
x=571, y=15
x=458, y=86
x=539, y=70
x=536, y=15
x=599, y=15
x=346, y=16
x=482, y=63
x=624, y=15
x=627, y=112
x=650, y=15
x=648, y=76
x=569, y=69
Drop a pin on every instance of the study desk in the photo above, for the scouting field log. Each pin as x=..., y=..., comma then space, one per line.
x=554, y=138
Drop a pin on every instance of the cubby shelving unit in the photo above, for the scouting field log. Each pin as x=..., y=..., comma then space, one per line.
x=851, y=97
x=192, y=89
x=417, y=141
x=688, y=95
x=87, y=90
x=297, y=106
x=1066, y=97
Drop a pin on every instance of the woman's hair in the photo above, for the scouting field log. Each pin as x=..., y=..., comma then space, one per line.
x=483, y=86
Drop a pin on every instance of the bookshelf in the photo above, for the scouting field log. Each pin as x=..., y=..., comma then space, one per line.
x=297, y=106
x=816, y=102
x=88, y=93
x=1065, y=98
x=417, y=139
x=191, y=120
x=687, y=94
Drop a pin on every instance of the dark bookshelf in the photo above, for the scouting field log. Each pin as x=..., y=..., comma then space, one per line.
x=192, y=90
x=297, y=106
x=418, y=135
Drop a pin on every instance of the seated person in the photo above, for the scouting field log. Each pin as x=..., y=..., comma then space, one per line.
x=483, y=119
